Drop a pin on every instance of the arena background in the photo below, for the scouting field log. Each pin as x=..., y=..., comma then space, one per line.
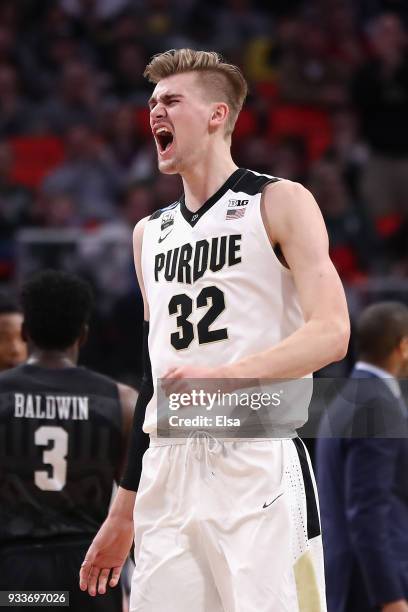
x=328, y=107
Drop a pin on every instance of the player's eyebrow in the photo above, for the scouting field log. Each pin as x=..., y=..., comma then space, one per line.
x=167, y=97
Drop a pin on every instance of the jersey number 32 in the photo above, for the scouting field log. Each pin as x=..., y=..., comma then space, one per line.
x=182, y=306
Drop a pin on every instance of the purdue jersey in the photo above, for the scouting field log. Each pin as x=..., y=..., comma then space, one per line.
x=60, y=448
x=215, y=287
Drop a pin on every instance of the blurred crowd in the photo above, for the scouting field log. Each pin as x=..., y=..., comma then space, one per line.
x=328, y=106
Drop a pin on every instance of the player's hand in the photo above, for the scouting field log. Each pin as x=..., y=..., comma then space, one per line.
x=182, y=372
x=397, y=606
x=184, y=379
x=106, y=555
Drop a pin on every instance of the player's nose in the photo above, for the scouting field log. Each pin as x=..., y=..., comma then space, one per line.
x=158, y=112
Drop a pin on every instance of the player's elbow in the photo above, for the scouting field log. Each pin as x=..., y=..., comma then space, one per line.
x=340, y=337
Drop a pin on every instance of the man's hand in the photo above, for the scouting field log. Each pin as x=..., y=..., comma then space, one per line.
x=107, y=553
x=185, y=379
x=396, y=606
x=191, y=372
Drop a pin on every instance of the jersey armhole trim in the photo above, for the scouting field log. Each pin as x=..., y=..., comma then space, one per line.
x=264, y=232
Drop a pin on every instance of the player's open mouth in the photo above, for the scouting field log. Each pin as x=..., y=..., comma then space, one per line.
x=164, y=139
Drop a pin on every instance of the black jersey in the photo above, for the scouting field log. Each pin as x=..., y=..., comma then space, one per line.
x=60, y=446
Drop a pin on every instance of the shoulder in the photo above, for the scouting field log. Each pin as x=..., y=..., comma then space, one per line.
x=252, y=183
x=162, y=211
x=140, y=227
x=104, y=384
x=128, y=395
x=9, y=377
x=287, y=190
x=128, y=398
x=276, y=190
x=287, y=202
x=138, y=233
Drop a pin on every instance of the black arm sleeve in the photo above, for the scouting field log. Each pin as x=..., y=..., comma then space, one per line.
x=139, y=440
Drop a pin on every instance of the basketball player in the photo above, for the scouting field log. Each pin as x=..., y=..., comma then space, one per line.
x=222, y=303
x=13, y=350
x=63, y=432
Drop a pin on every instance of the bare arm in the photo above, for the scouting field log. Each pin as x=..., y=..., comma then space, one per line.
x=137, y=254
x=108, y=552
x=128, y=397
x=293, y=220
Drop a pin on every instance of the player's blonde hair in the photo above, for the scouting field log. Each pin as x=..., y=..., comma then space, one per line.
x=224, y=82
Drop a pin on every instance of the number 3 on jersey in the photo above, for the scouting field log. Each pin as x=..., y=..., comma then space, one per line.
x=56, y=457
x=182, y=306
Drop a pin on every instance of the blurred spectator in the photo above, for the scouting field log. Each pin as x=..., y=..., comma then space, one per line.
x=14, y=110
x=107, y=261
x=380, y=94
x=76, y=100
x=7, y=45
x=129, y=84
x=57, y=51
x=362, y=457
x=256, y=152
x=15, y=204
x=352, y=244
x=93, y=9
x=239, y=20
x=138, y=202
x=122, y=135
x=167, y=189
x=43, y=49
x=163, y=20
x=264, y=53
x=13, y=350
x=86, y=175
x=286, y=158
x=9, y=14
x=132, y=157
x=347, y=146
x=289, y=159
x=56, y=211
x=307, y=74
x=346, y=46
x=128, y=26
x=107, y=252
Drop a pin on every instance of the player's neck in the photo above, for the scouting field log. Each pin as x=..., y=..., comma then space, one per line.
x=53, y=359
x=204, y=179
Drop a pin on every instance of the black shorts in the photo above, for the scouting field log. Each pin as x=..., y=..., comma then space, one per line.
x=51, y=565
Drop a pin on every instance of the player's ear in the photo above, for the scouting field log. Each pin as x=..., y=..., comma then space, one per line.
x=403, y=346
x=24, y=333
x=219, y=114
x=83, y=336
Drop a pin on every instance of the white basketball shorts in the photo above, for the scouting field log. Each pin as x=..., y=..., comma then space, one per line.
x=227, y=526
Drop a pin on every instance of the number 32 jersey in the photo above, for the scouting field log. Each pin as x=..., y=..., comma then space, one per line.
x=215, y=287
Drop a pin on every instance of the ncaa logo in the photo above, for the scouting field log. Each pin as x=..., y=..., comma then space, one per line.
x=167, y=225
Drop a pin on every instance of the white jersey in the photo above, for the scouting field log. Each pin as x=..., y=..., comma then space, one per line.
x=216, y=290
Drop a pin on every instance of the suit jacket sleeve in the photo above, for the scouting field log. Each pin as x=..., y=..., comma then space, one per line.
x=370, y=468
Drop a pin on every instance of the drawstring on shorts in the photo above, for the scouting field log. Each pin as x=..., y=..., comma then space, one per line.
x=203, y=444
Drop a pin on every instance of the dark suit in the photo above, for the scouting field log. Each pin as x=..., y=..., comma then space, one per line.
x=362, y=476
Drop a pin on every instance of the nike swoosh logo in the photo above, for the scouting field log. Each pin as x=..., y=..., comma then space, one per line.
x=270, y=503
x=161, y=238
